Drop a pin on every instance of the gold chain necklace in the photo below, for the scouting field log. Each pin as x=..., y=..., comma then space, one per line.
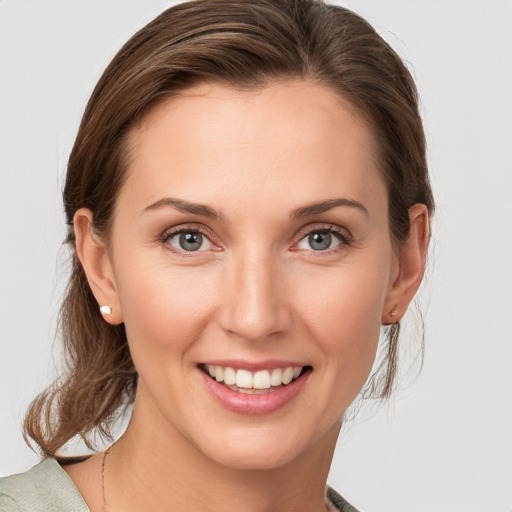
x=106, y=452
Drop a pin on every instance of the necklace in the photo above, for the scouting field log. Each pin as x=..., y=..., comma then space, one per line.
x=105, y=453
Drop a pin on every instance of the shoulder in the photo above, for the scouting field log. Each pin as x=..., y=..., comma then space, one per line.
x=336, y=502
x=44, y=488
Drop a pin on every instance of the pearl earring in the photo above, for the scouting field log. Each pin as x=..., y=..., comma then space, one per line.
x=394, y=312
x=106, y=310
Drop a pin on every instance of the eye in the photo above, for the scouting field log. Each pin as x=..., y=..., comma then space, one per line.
x=188, y=241
x=323, y=240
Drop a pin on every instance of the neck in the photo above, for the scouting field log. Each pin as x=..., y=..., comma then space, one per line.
x=159, y=469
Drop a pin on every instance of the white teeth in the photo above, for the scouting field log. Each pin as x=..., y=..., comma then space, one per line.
x=260, y=380
x=243, y=379
x=229, y=376
x=288, y=375
x=277, y=377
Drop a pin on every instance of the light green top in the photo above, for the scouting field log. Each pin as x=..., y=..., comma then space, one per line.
x=44, y=488
x=47, y=488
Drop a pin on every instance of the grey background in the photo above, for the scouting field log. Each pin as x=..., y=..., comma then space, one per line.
x=444, y=442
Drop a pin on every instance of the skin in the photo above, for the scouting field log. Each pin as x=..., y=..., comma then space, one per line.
x=255, y=291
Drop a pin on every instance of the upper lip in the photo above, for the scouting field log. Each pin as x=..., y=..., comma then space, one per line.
x=253, y=366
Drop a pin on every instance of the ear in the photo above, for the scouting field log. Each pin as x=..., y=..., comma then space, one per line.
x=411, y=266
x=95, y=259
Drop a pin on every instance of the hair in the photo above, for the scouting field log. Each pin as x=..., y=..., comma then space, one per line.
x=245, y=45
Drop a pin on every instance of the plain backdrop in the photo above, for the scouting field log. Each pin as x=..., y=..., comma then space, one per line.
x=444, y=442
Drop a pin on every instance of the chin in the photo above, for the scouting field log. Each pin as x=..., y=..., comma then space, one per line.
x=267, y=449
x=255, y=458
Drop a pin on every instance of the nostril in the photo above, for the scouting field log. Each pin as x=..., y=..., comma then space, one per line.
x=254, y=307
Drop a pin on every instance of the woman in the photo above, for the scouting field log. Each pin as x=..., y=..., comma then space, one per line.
x=249, y=204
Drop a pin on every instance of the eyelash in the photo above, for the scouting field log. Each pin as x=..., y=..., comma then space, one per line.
x=341, y=234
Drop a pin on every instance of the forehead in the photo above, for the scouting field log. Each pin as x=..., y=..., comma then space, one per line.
x=292, y=139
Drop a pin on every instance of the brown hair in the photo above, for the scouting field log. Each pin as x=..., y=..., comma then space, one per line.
x=244, y=44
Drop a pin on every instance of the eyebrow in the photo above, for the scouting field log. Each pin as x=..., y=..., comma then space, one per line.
x=324, y=206
x=185, y=207
x=205, y=211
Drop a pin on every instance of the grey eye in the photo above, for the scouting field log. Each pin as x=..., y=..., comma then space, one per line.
x=320, y=241
x=189, y=241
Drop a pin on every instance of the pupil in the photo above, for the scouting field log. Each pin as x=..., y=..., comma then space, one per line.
x=320, y=241
x=191, y=241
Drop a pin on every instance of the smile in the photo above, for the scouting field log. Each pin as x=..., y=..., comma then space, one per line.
x=262, y=381
x=260, y=391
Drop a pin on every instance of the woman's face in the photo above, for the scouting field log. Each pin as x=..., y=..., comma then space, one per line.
x=250, y=237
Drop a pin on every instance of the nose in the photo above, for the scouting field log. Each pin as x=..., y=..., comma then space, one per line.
x=255, y=305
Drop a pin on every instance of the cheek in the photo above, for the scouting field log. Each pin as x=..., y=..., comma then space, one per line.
x=164, y=308
x=344, y=317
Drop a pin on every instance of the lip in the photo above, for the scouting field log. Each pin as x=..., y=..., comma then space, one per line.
x=253, y=366
x=256, y=404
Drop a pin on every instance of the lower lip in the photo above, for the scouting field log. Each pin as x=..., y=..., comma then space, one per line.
x=264, y=403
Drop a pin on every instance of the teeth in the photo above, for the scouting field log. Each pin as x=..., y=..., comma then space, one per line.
x=243, y=379
x=261, y=380
x=288, y=375
x=229, y=376
x=277, y=377
x=246, y=380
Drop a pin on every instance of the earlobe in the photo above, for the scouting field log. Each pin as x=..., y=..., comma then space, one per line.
x=412, y=258
x=94, y=257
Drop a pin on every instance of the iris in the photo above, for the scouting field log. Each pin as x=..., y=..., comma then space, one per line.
x=320, y=241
